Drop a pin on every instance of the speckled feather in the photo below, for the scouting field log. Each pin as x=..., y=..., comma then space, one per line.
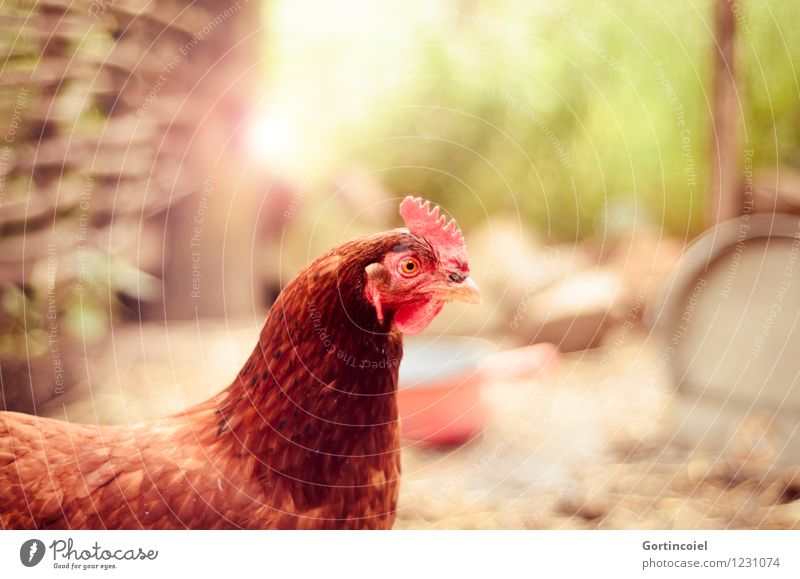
x=305, y=437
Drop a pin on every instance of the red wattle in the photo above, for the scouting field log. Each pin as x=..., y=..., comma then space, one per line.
x=414, y=317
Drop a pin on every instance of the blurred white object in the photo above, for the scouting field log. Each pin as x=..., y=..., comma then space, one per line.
x=730, y=334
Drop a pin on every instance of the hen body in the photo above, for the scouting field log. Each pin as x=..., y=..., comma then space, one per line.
x=305, y=437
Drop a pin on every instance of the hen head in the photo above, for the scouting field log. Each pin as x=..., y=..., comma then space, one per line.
x=417, y=277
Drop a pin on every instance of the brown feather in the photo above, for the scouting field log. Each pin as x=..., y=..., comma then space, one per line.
x=306, y=436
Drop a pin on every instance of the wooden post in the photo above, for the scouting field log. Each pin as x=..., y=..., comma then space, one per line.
x=210, y=238
x=725, y=192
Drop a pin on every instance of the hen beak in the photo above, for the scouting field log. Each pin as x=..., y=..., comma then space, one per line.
x=466, y=291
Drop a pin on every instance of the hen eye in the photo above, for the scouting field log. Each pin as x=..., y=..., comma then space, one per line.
x=409, y=267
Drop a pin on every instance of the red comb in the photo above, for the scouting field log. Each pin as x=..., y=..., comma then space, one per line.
x=422, y=221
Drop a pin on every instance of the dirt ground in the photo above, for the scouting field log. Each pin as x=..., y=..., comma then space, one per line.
x=591, y=446
x=586, y=445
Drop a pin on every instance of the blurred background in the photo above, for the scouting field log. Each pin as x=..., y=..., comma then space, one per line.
x=625, y=173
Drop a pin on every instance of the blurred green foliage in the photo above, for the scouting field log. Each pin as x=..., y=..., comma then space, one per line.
x=556, y=109
x=57, y=304
x=47, y=109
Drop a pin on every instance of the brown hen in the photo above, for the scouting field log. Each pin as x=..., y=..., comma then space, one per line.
x=305, y=437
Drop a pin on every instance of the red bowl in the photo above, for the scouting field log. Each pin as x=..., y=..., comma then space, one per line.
x=441, y=380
